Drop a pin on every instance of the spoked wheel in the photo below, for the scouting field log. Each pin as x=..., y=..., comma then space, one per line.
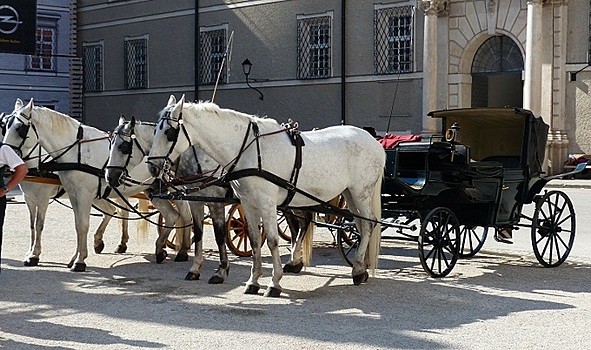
x=553, y=228
x=238, y=240
x=439, y=241
x=471, y=240
x=283, y=227
x=347, y=240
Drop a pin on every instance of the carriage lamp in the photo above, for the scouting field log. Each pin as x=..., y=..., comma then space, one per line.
x=246, y=67
x=453, y=134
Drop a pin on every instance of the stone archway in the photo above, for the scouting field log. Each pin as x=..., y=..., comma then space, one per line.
x=497, y=74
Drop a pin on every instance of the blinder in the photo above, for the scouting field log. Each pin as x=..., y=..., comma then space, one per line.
x=172, y=134
x=126, y=147
x=22, y=131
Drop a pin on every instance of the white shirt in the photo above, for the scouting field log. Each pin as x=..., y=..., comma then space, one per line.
x=9, y=157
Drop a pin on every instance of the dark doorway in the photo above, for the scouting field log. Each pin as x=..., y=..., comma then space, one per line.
x=497, y=74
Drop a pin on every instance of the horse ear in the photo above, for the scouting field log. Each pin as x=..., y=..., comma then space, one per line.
x=132, y=121
x=18, y=104
x=29, y=107
x=171, y=101
x=122, y=119
x=182, y=100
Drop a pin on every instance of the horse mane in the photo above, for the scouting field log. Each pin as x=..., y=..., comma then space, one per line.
x=210, y=107
x=61, y=120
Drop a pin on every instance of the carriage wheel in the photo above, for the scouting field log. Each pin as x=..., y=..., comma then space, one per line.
x=238, y=240
x=439, y=242
x=471, y=240
x=283, y=227
x=348, y=239
x=553, y=228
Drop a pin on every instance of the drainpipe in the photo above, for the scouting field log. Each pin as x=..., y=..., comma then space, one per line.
x=197, y=50
x=343, y=65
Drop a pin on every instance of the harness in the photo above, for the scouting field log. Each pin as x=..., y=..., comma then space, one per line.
x=231, y=174
x=46, y=165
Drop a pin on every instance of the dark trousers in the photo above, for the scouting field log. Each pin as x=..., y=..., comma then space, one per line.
x=2, y=213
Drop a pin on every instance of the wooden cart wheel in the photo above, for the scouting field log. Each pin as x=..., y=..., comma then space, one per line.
x=439, y=242
x=471, y=240
x=238, y=240
x=553, y=228
x=348, y=238
x=283, y=227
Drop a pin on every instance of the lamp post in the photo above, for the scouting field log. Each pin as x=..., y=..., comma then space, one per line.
x=246, y=67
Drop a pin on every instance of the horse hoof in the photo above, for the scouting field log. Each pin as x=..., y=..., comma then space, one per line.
x=191, y=276
x=78, y=267
x=99, y=248
x=31, y=262
x=215, y=279
x=121, y=248
x=252, y=289
x=293, y=268
x=273, y=292
x=181, y=257
x=161, y=256
x=362, y=278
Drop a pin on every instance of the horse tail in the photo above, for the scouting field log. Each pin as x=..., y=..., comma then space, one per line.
x=375, y=239
x=307, y=243
x=142, y=225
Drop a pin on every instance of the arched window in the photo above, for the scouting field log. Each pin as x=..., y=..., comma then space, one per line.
x=497, y=54
x=496, y=74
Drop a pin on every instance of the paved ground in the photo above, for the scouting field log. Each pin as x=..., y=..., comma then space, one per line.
x=501, y=299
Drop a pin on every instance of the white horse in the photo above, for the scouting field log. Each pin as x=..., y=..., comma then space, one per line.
x=129, y=146
x=260, y=160
x=80, y=153
x=38, y=196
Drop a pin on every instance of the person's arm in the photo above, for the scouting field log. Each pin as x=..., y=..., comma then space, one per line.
x=19, y=174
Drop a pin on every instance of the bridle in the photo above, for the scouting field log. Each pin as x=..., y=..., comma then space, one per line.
x=22, y=132
x=172, y=135
x=126, y=148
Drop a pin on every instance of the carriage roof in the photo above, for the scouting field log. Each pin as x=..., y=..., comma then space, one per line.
x=494, y=133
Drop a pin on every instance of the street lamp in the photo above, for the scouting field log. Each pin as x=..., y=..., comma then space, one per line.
x=246, y=67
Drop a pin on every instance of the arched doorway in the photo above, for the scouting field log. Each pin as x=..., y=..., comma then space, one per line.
x=496, y=74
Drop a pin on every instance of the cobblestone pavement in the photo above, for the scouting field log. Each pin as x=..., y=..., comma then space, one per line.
x=500, y=299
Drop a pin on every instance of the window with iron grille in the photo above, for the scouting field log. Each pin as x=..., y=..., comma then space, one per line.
x=93, y=67
x=213, y=49
x=314, y=47
x=393, y=39
x=136, y=63
x=44, y=59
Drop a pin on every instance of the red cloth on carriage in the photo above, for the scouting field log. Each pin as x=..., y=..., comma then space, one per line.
x=391, y=140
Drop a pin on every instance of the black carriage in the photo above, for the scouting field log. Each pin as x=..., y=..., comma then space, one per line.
x=454, y=188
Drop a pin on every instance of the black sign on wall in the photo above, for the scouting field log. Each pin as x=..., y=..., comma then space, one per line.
x=18, y=25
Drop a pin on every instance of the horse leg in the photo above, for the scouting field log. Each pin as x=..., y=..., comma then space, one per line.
x=298, y=229
x=368, y=251
x=198, y=214
x=216, y=211
x=37, y=198
x=32, y=258
x=254, y=234
x=269, y=217
x=123, y=215
x=82, y=221
x=170, y=215
x=108, y=210
x=185, y=216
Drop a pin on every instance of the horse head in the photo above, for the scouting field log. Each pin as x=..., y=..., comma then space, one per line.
x=164, y=151
x=17, y=132
x=125, y=151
